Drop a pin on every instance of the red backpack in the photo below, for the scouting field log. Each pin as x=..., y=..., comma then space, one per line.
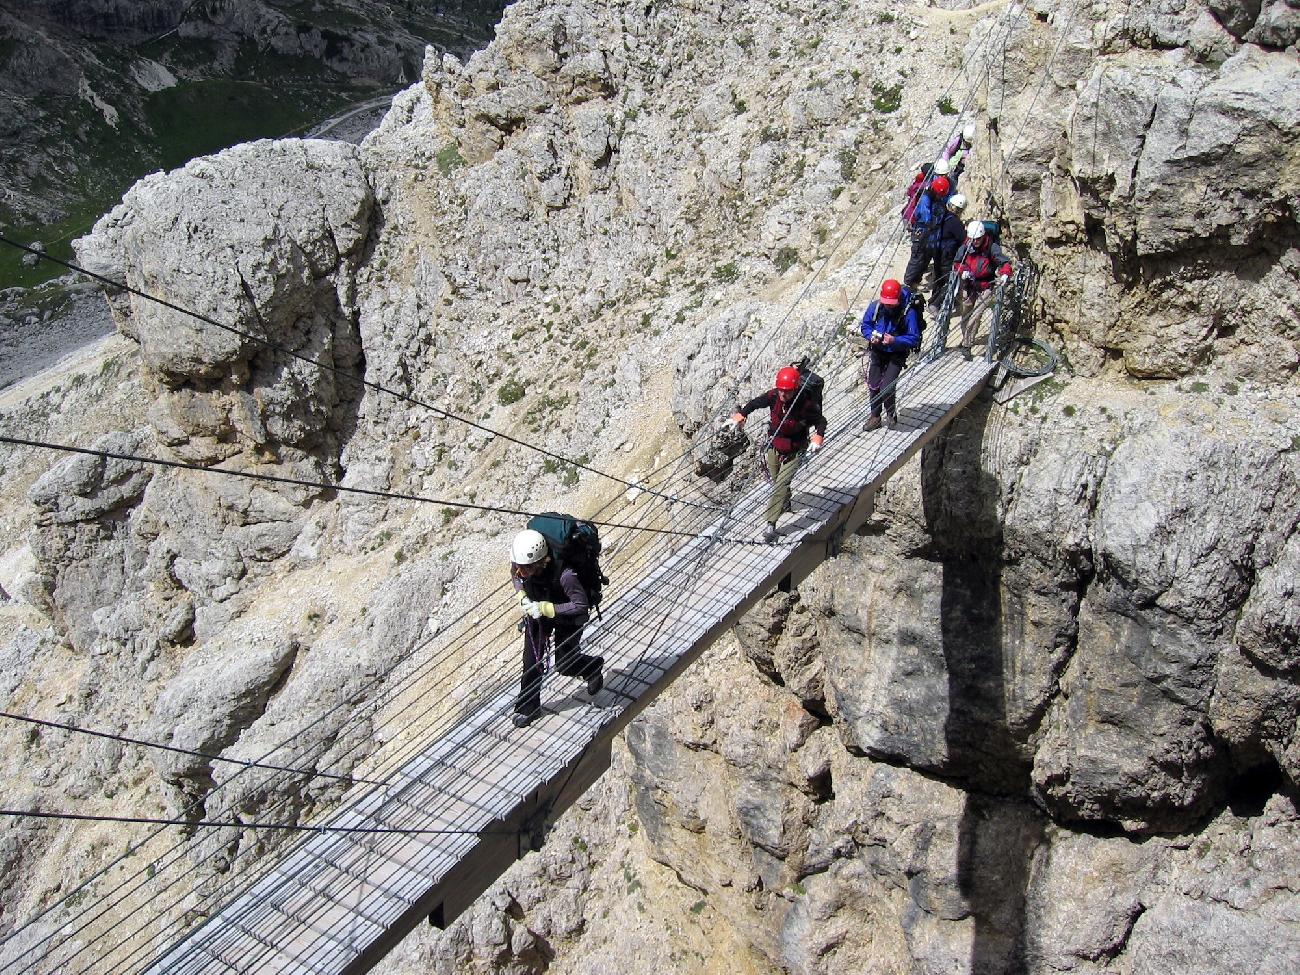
x=913, y=196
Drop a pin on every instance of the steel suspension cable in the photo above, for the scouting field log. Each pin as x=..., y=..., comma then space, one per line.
x=125, y=739
x=299, y=482
x=331, y=369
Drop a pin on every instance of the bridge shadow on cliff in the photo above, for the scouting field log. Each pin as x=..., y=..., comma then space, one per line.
x=1000, y=832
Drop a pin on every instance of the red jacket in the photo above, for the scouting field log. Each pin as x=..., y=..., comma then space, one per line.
x=984, y=265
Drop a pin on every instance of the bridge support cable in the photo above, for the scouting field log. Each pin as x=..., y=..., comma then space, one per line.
x=335, y=371
x=298, y=482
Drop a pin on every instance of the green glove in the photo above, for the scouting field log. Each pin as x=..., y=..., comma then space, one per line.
x=547, y=609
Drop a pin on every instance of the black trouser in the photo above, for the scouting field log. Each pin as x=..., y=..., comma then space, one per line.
x=569, y=662
x=922, y=254
x=882, y=373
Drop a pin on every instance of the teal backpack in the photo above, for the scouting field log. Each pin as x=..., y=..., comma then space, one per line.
x=574, y=544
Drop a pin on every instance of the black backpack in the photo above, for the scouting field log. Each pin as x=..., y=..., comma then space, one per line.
x=574, y=544
x=917, y=302
x=812, y=387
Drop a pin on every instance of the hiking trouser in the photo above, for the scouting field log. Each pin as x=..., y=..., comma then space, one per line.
x=923, y=255
x=883, y=370
x=569, y=662
x=972, y=308
x=782, y=469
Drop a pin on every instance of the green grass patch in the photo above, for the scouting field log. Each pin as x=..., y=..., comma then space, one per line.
x=886, y=99
x=510, y=391
x=848, y=159
x=202, y=117
x=173, y=126
x=946, y=107
x=726, y=273
x=449, y=159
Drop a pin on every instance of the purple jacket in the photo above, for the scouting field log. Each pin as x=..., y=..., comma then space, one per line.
x=572, y=607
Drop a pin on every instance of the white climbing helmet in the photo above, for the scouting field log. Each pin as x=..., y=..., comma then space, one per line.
x=968, y=133
x=940, y=167
x=975, y=229
x=528, y=547
x=957, y=203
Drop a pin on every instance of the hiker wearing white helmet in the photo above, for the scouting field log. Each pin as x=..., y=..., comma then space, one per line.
x=555, y=605
x=955, y=152
x=978, y=264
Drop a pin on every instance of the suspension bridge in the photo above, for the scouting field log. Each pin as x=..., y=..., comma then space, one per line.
x=338, y=901
x=438, y=814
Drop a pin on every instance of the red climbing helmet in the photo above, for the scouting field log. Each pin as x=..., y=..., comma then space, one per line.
x=941, y=186
x=787, y=378
x=891, y=292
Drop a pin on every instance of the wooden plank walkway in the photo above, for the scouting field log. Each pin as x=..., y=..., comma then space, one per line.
x=337, y=902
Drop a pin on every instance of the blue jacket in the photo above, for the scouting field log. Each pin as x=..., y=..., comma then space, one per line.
x=928, y=218
x=902, y=321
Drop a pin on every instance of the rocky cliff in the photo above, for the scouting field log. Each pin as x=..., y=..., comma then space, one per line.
x=97, y=92
x=1040, y=716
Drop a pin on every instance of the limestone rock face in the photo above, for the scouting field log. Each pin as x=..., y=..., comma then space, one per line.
x=1167, y=171
x=81, y=538
x=278, y=273
x=209, y=703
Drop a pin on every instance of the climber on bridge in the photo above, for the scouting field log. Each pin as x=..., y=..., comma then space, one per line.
x=927, y=228
x=556, y=606
x=937, y=251
x=794, y=418
x=978, y=264
x=892, y=326
x=956, y=151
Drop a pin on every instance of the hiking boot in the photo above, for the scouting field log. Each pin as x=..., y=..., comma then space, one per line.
x=965, y=352
x=772, y=534
x=891, y=420
x=595, y=682
x=522, y=720
x=873, y=423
